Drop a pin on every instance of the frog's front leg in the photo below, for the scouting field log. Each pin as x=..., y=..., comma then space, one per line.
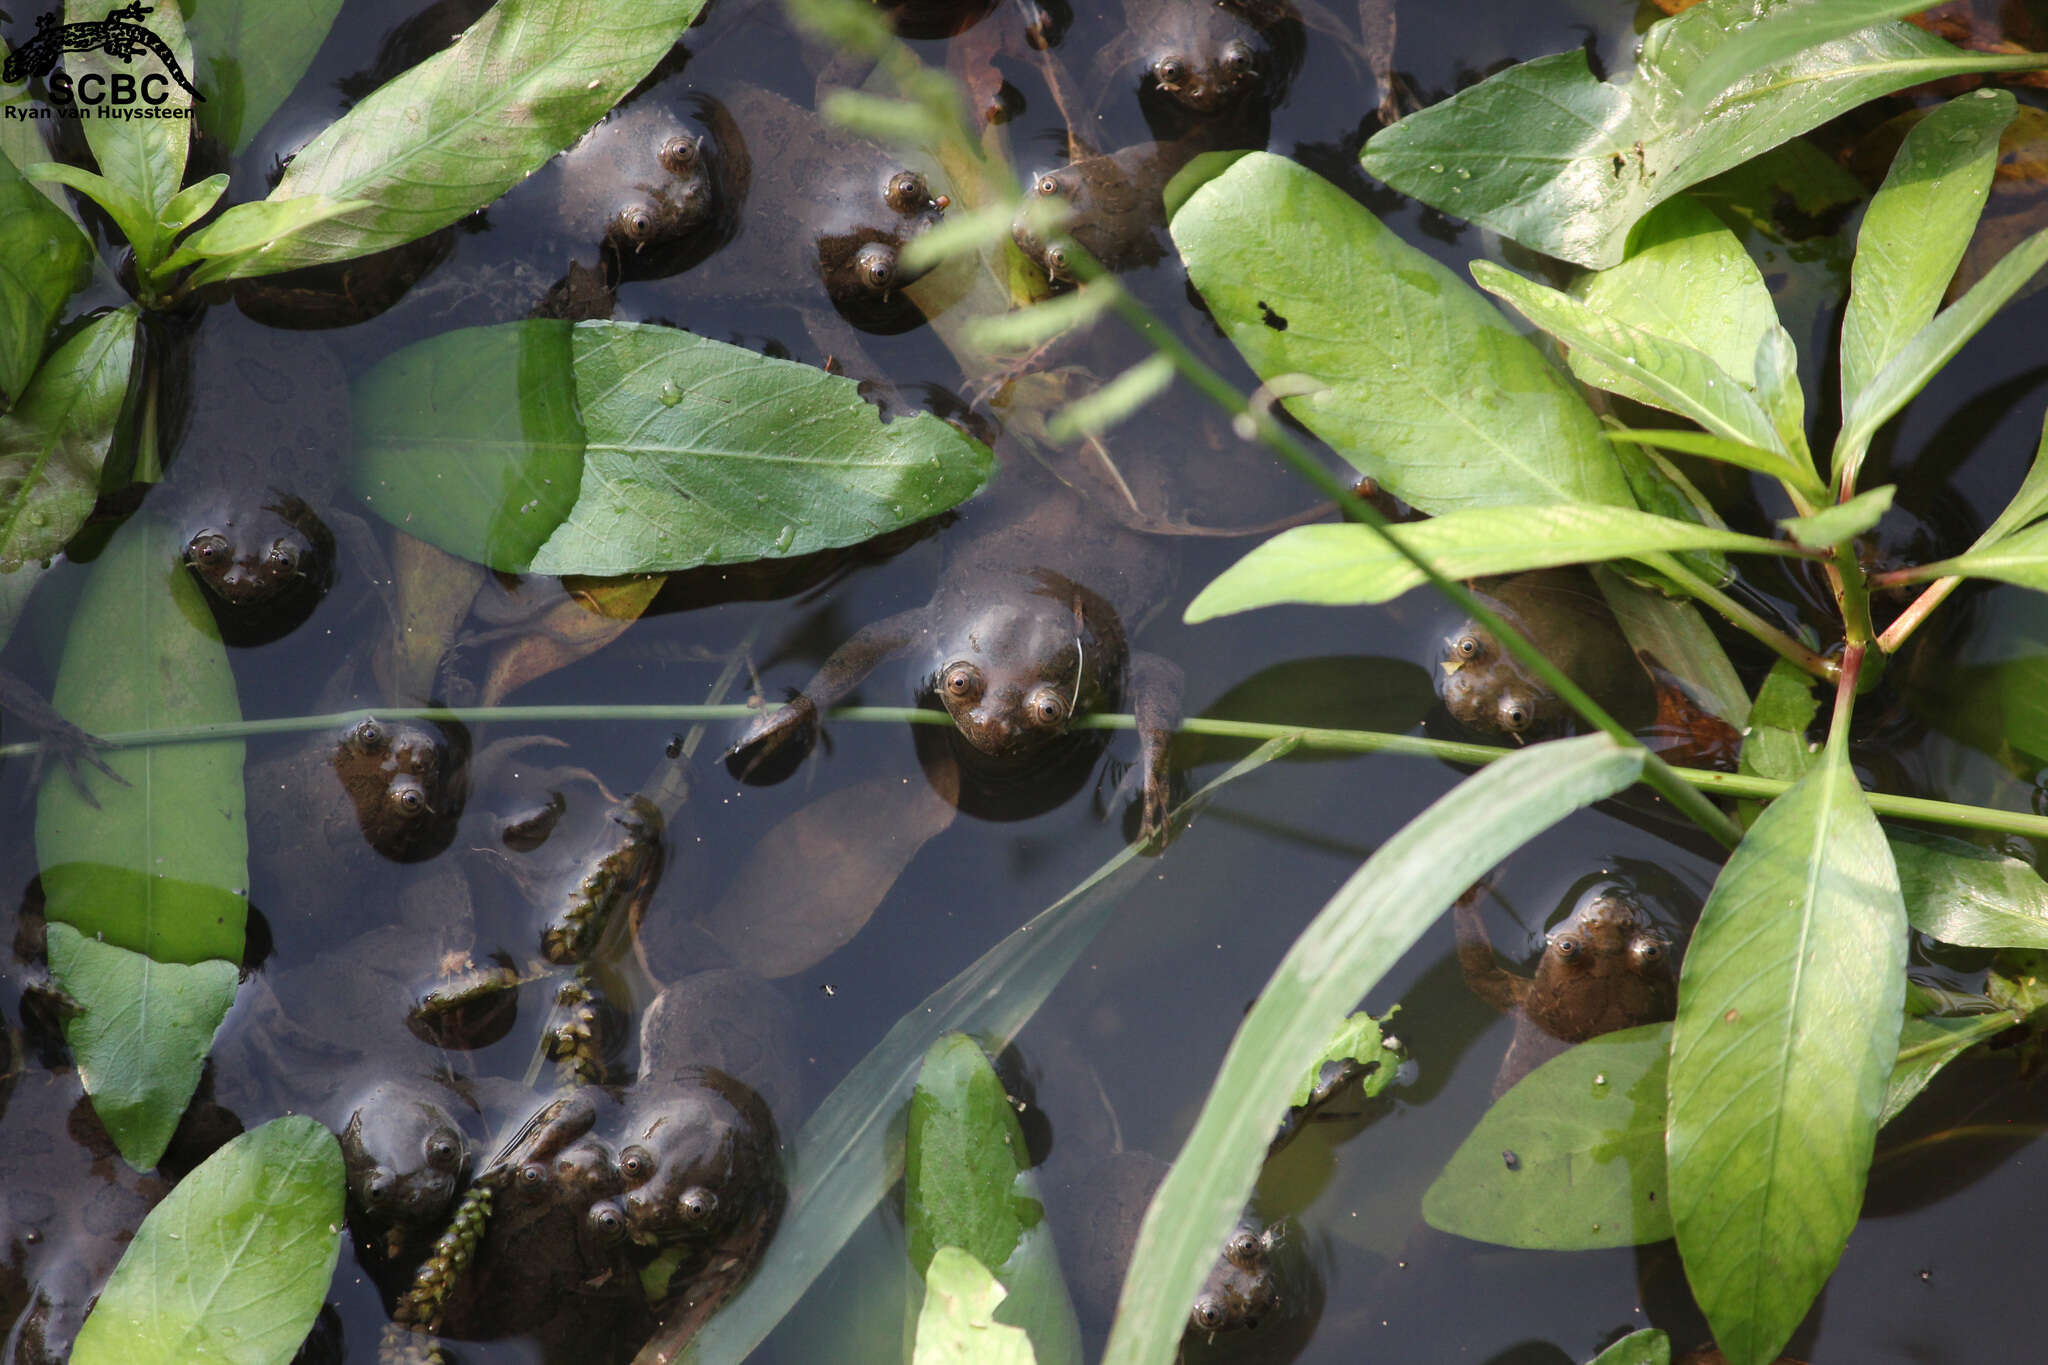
x=1156, y=685
x=1489, y=981
x=62, y=740
x=796, y=722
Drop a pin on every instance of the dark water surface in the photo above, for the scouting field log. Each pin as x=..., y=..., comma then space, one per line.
x=1939, y=1270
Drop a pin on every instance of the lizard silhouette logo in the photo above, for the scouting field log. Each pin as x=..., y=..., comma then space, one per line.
x=120, y=34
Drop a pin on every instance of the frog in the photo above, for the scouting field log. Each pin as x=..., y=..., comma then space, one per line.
x=1210, y=67
x=256, y=484
x=1114, y=207
x=405, y=1157
x=1605, y=966
x=1562, y=612
x=1026, y=633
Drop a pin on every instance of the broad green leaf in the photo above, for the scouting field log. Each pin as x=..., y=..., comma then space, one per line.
x=1781, y=33
x=43, y=258
x=1915, y=230
x=1788, y=1022
x=1967, y=895
x=141, y=1036
x=191, y=204
x=1114, y=402
x=967, y=1184
x=464, y=126
x=1346, y=564
x=1778, y=391
x=1409, y=374
x=231, y=1268
x=161, y=865
x=1932, y=347
x=250, y=56
x=1928, y=1045
x=1566, y=165
x=129, y=213
x=1685, y=380
x=470, y=440
x=1687, y=279
x=53, y=443
x=2021, y=558
x=144, y=157
x=697, y=452
x=1776, y=744
x=1373, y=919
x=2030, y=502
x=237, y=242
x=1647, y=1347
x=1841, y=521
x=846, y=1159
x=958, y=1325
x=1586, y=1134
x=1674, y=635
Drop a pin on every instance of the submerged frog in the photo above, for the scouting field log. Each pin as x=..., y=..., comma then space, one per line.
x=1113, y=207
x=1027, y=632
x=255, y=487
x=1213, y=66
x=406, y=1158
x=1606, y=966
x=1563, y=614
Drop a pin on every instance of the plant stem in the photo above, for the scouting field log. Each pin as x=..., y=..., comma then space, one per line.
x=1909, y=620
x=1845, y=696
x=1220, y=391
x=1778, y=640
x=1852, y=595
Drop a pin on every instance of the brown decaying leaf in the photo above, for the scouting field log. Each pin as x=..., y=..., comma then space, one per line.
x=593, y=613
x=1685, y=732
x=434, y=590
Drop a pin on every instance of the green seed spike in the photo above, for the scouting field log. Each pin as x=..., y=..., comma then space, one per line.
x=408, y=1338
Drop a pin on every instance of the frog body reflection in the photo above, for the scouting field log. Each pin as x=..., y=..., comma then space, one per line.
x=1606, y=966
x=1026, y=633
x=1113, y=204
x=1562, y=613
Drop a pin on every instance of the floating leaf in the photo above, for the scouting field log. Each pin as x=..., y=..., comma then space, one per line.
x=1788, y=1018
x=1967, y=895
x=53, y=443
x=958, y=1325
x=1647, y=1347
x=233, y=1265
x=1375, y=917
x=251, y=54
x=470, y=122
x=1412, y=377
x=46, y=258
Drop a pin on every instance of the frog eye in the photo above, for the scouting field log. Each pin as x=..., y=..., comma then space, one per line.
x=1170, y=72
x=1466, y=647
x=608, y=1220
x=1566, y=947
x=1059, y=264
x=906, y=192
x=1238, y=60
x=368, y=736
x=1210, y=1314
x=444, y=1151
x=1047, y=708
x=283, y=557
x=1244, y=1248
x=1048, y=185
x=533, y=1177
x=209, y=550
x=1647, y=950
x=636, y=1164
x=876, y=265
x=1515, y=715
x=697, y=1205
x=679, y=155
x=409, y=800
x=961, y=682
x=637, y=222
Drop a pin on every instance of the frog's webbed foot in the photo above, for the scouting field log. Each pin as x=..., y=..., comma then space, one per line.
x=774, y=742
x=62, y=740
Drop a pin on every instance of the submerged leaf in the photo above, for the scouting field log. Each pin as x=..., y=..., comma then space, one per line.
x=1970, y=896
x=250, y=55
x=233, y=1265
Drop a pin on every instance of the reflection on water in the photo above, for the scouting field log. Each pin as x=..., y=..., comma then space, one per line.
x=403, y=884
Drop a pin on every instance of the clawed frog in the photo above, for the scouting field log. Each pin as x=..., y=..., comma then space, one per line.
x=1207, y=64
x=1561, y=611
x=1113, y=206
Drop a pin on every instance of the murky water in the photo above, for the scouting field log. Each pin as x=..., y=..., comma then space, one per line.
x=1938, y=1269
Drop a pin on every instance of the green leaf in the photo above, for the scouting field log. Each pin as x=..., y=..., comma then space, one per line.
x=1970, y=896
x=236, y=243
x=43, y=258
x=1928, y=1045
x=2021, y=558
x=1777, y=390
x=1647, y=1347
x=191, y=204
x=1776, y=744
x=231, y=1268
x=142, y=1035
x=251, y=54
x=845, y=1157
x=1586, y=1134
x=967, y=1184
x=1346, y=564
x=1376, y=916
x=1788, y=1018
x=1416, y=381
x=702, y=453
x=957, y=1325
x=1932, y=347
x=1566, y=165
x=1915, y=230
x=1686, y=381
x=464, y=126
x=470, y=440
x=1360, y=1038
x=2030, y=502
x=130, y=214
x=143, y=157
x=1842, y=521
x=1673, y=633
x=1686, y=279
x=1707, y=446
x=1782, y=33
x=53, y=443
